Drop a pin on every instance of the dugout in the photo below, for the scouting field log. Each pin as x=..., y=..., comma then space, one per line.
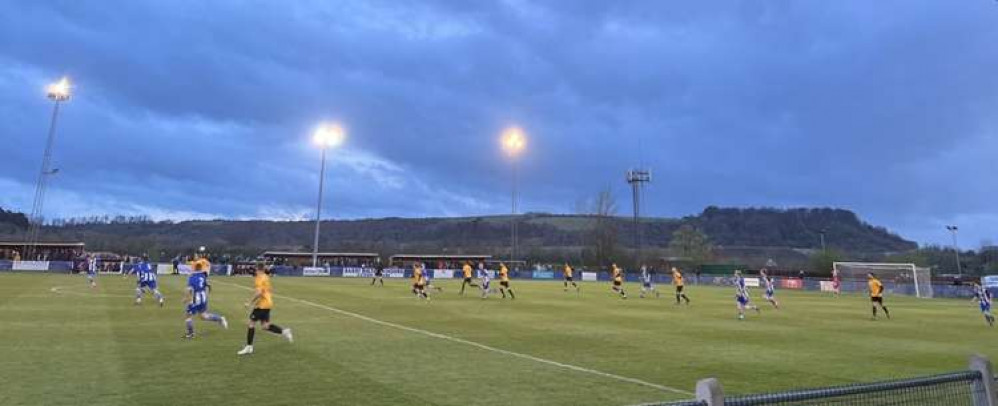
x=41, y=251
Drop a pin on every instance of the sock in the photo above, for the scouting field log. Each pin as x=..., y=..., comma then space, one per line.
x=159, y=296
x=887, y=313
x=511, y=294
x=213, y=317
x=677, y=298
x=275, y=329
x=503, y=291
x=138, y=294
x=250, y=332
x=874, y=311
x=190, y=327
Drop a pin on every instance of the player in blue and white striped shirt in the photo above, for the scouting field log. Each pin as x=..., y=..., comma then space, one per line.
x=770, y=288
x=742, y=296
x=983, y=297
x=483, y=277
x=197, y=300
x=646, y=283
x=91, y=264
x=146, y=276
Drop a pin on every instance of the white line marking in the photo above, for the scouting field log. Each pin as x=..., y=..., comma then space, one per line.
x=479, y=345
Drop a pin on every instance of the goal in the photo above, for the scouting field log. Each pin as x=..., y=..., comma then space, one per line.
x=898, y=278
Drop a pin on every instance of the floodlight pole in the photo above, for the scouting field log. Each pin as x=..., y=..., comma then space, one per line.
x=318, y=210
x=637, y=178
x=41, y=185
x=956, y=249
x=823, y=241
x=512, y=225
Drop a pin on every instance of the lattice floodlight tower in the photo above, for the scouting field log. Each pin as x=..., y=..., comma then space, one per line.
x=920, y=279
x=637, y=179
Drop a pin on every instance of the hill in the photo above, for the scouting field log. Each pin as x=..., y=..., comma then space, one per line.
x=746, y=234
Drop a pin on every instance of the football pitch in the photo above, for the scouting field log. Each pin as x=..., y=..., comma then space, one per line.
x=64, y=343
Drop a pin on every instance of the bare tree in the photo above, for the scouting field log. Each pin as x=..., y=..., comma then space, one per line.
x=603, y=231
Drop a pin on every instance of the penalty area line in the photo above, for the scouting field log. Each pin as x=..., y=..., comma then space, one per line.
x=480, y=345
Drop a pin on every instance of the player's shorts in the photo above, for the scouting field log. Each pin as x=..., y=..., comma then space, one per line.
x=985, y=307
x=835, y=285
x=485, y=286
x=467, y=279
x=569, y=279
x=646, y=285
x=877, y=299
x=418, y=286
x=151, y=285
x=193, y=309
x=91, y=273
x=504, y=284
x=679, y=289
x=769, y=294
x=616, y=283
x=742, y=300
x=378, y=273
x=260, y=315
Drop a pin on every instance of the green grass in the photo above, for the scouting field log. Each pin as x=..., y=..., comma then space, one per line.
x=83, y=346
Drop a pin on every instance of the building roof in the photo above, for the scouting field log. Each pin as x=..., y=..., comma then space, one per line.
x=43, y=244
x=430, y=256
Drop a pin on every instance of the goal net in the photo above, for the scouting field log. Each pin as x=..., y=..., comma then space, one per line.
x=905, y=279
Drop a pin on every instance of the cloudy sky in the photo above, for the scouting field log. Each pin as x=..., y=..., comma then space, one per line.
x=191, y=109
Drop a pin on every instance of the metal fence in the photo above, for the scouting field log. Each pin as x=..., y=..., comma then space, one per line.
x=973, y=387
x=954, y=389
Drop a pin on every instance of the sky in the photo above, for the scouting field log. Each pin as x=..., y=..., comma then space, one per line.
x=193, y=109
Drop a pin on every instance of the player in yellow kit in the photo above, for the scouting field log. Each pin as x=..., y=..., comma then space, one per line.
x=677, y=281
x=419, y=282
x=876, y=294
x=262, y=302
x=466, y=269
x=618, y=280
x=504, y=282
x=569, y=278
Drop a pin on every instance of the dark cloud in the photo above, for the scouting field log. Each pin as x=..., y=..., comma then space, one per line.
x=192, y=108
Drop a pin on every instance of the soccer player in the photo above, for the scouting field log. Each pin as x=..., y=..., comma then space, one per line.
x=836, y=282
x=770, y=288
x=677, y=281
x=569, y=278
x=466, y=269
x=197, y=300
x=379, y=272
x=618, y=281
x=262, y=303
x=419, y=282
x=91, y=264
x=646, y=283
x=983, y=297
x=876, y=295
x=742, y=296
x=201, y=262
x=484, y=280
x=146, y=277
x=504, y=282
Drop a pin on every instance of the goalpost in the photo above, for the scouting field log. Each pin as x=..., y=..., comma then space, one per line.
x=902, y=275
